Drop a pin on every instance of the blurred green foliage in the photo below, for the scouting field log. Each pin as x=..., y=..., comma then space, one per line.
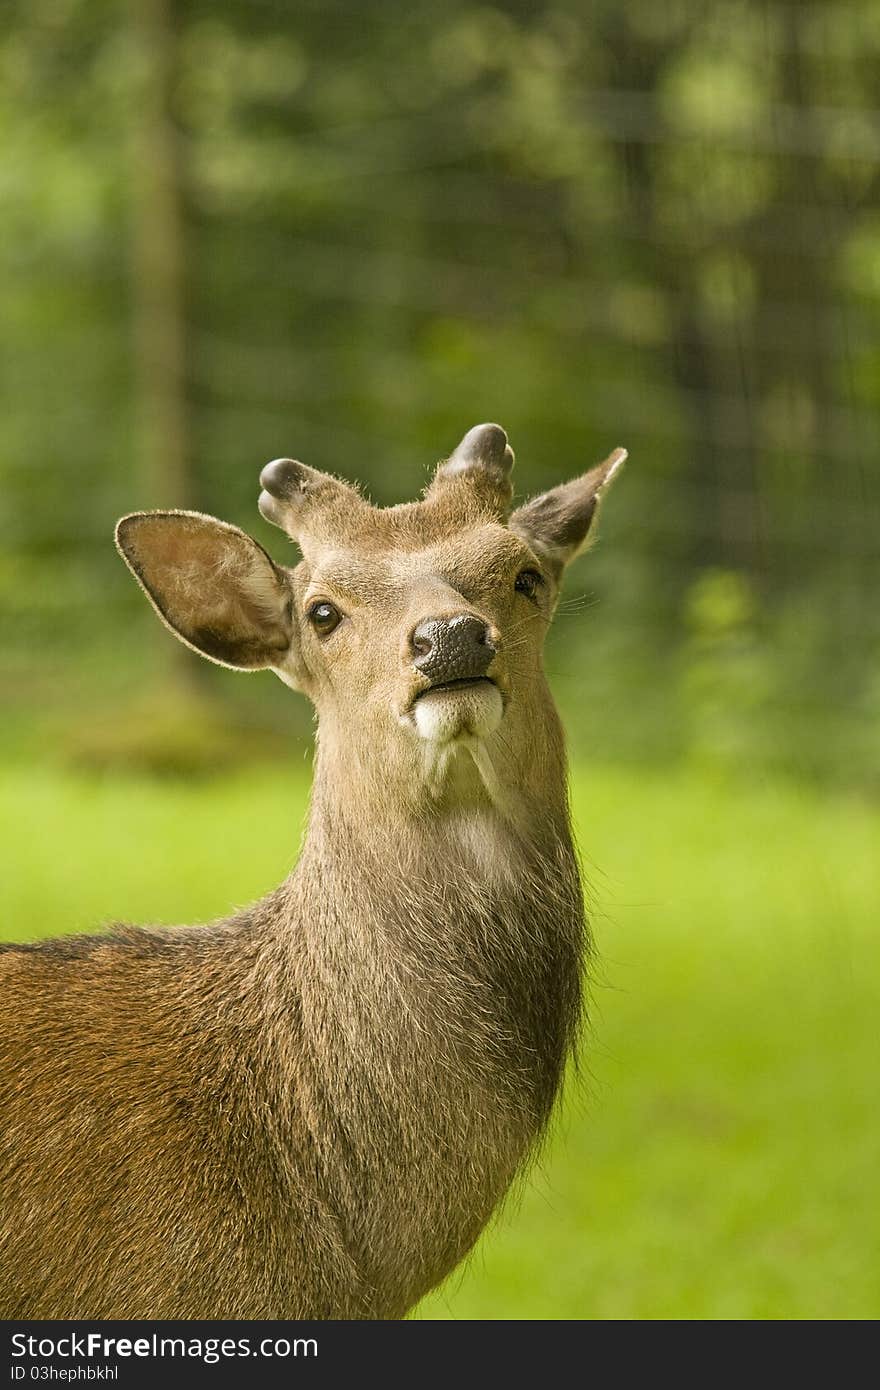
x=717, y=1156
x=348, y=232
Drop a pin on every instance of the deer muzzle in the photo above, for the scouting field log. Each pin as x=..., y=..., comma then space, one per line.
x=452, y=651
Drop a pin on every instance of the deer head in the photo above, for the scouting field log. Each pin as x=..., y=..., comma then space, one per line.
x=414, y=629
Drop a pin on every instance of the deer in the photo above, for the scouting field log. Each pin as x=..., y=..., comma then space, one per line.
x=311, y=1108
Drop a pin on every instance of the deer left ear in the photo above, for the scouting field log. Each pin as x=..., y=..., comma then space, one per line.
x=560, y=524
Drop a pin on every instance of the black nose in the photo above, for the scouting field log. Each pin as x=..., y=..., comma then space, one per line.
x=452, y=649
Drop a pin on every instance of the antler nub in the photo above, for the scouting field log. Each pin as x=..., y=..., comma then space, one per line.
x=485, y=459
x=298, y=498
x=283, y=482
x=485, y=446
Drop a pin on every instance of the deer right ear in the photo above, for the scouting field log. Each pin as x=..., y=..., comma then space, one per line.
x=212, y=585
x=561, y=523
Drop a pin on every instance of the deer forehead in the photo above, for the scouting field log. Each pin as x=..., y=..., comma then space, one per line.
x=481, y=557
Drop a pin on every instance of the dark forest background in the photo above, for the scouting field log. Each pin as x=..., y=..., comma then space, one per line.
x=347, y=232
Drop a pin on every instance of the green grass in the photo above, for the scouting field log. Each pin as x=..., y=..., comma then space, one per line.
x=719, y=1158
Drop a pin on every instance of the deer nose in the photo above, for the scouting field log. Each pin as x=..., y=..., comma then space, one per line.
x=451, y=649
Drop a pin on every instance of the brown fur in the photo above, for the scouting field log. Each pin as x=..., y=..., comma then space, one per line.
x=311, y=1109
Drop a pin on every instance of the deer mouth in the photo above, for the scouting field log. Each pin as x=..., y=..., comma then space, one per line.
x=460, y=683
x=467, y=707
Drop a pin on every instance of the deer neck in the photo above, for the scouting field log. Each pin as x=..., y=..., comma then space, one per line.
x=439, y=950
x=467, y=876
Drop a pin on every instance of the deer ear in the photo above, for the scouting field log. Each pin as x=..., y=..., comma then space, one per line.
x=212, y=585
x=560, y=524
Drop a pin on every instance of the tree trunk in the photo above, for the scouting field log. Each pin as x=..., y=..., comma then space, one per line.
x=159, y=269
x=159, y=292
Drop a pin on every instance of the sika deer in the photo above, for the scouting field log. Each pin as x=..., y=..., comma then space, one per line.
x=311, y=1108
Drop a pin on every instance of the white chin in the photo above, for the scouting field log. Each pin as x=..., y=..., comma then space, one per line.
x=468, y=711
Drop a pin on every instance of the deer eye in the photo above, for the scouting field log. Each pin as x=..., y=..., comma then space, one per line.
x=528, y=582
x=324, y=617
